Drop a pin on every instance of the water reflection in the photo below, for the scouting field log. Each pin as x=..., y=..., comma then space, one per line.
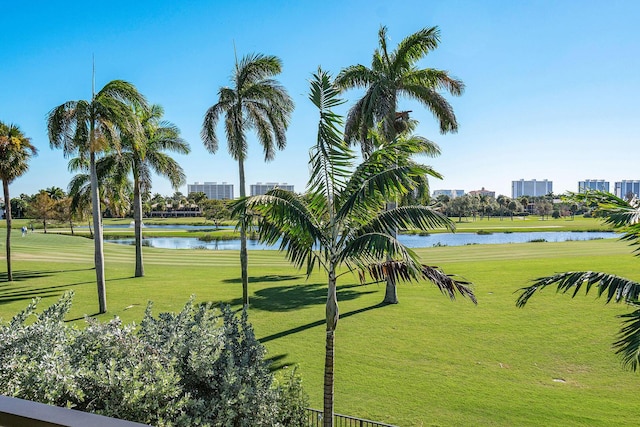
x=412, y=241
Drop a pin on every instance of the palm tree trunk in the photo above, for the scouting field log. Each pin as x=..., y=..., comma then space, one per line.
x=390, y=291
x=332, y=322
x=7, y=210
x=243, y=243
x=137, y=218
x=97, y=237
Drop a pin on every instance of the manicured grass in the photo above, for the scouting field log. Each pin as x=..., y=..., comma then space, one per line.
x=424, y=362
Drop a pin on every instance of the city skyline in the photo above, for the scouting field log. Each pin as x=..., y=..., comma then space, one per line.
x=551, y=87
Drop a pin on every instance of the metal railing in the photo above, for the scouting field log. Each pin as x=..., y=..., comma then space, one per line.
x=314, y=419
x=25, y=413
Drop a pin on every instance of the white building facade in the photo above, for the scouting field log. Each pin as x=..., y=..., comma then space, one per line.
x=213, y=190
x=531, y=188
x=259, y=188
x=625, y=188
x=593, y=184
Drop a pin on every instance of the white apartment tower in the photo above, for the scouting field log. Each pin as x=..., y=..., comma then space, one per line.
x=531, y=188
x=213, y=190
x=593, y=184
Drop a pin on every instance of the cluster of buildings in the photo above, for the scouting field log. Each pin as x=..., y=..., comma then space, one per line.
x=224, y=191
x=536, y=188
x=529, y=188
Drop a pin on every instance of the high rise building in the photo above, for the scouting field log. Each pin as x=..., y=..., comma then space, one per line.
x=532, y=188
x=260, y=188
x=213, y=190
x=625, y=188
x=593, y=184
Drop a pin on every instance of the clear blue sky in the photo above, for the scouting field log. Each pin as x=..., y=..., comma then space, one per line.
x=552, y=86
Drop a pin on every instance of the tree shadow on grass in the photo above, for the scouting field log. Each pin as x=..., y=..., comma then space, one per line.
x=21, y=275
x=277, y=362
x=30, y=293
x=318, y=323
x=294, y=297
x=269, y=278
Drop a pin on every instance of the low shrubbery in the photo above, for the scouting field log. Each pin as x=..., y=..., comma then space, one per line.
x=200, y=367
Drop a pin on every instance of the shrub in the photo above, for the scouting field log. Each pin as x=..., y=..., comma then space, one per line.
x=200, y=367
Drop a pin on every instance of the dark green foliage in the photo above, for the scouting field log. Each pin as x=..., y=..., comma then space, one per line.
x=202, y=366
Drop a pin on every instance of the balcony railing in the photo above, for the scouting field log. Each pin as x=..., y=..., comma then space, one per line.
x=25, y=413
x=314, y=418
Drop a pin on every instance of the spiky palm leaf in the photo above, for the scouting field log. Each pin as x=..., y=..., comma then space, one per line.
x=621, y=214
x=394, y=74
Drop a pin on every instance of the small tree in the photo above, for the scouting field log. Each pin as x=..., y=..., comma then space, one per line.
x=215, y=210
x=42, y=208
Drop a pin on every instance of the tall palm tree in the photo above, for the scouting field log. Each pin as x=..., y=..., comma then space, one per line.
x=621, y=214
x=341, y=221
x=143, y=155
x=392, y=75
x=15, y=152
x=89, y=128
x=255, y=102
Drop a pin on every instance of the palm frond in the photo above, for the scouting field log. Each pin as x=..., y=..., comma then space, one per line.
x=436, y=103
x=331, y=158
x=413, y=48
x=628, y=343
x=610, y=286
x=409, y=218
x=397, y=271
x=285, y=216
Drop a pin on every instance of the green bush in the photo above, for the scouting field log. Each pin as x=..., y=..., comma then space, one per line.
x=200, y=367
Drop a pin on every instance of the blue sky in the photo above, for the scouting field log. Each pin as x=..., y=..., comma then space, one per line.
x=552, y=87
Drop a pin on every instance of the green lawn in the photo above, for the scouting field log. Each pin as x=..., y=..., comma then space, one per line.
x=424, y=362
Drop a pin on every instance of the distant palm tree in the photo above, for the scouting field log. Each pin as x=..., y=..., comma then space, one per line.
x=255, y=102
x=502, y=201
x=395, y=74
x=341, y=220
x=622, y=215
x=142, y=155
x=56, y=193
x=89, y=128
x=15, y=152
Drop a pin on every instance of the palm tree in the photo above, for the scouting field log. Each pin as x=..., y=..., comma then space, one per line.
x=341, y=221
x=393, y=75
x=143, y=154
x=56, y=193
x=502, y=201
x=255, y=102
x=621, y=214
x=15, y=152
x=89, y=128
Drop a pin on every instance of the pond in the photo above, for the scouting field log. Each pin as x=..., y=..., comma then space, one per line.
x=412, y=241
x=166, y=226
